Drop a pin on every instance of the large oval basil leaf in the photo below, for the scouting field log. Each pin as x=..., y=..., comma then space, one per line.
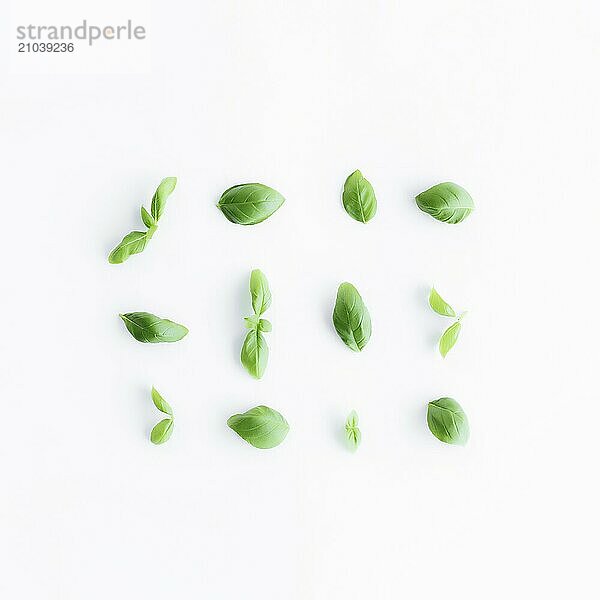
x=255, y=353
x=132, y=243
x=250, y=203
x=359, y=198
x=449, y=338
x=351, y=318
x=447, y=202
x=146, y=327
x=261, y=426
x=447, y=421
x=260, y=292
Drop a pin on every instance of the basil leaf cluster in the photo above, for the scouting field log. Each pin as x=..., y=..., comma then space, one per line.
x=249, y=203
x=148, y=328
x=359, y=198
x=255, y=352
x=450, y=336
x=446, y=202
x=447, y=421
x=353, y=434
x=135, y=241
x=162, y=431
x=261, y=426
x=351, y=318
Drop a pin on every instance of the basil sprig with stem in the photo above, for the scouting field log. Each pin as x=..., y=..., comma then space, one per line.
x=135, y=242
x=162, y=431
x=441, y=307
x=353, y=434
x=255, y=352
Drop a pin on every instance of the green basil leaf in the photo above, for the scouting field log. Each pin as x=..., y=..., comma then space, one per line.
x=351, y=318
x=249, y=203
x=147, y=218
x=261, y=426
x=162, y=431
x=146, y=327
x=132, y=243
x=449, y=338
x=255, y=353
x=252, y=322
x=447, y=421
x=161, y=403
x=260, y=292
x=264, y=325
x=353, y=434
x=159, y=200
x=359, y=198
x=440, y=306
x=447, y=202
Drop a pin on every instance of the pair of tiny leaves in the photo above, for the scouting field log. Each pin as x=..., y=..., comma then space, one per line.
x=162, y=431
x=148, y=328
x=447, y=421
x=351, y=318
x=255, y=351
x=135, y=241
x=359, y=198
x=261, y=426
x=249, y=203
x=353, y=434
x=450, y=336
x=446, y=202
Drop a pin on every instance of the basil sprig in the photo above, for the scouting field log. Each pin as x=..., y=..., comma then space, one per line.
x=148, y=328
x=261, y=426
x=162, y=431
x=447, y=421
x=255, y=352
x=353, y=434
x=450, y=336
x=135, y=242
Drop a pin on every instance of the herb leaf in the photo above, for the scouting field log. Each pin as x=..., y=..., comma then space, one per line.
x=447, y=421
x=261, y=426
x=439, y=305
x=353, y=434
x=161, y=403
x=249, y=203
x=449, y=338
x=359, y=198
x=447, y=202
x=147, y=218
x=255, y=353
x=264, y=325
x=132, y=243
x=162, y=431
x=163, y=191
x=260, y=292
x=351, y=318
x=146, y=327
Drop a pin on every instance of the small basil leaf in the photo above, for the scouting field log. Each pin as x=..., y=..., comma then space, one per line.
x=132, y=243
x=447, y=202
x=161, y=403
x=260, y=292
x=261, y=426
x=159, y=200
x=252, y=322
x=255, y=353
x=359, y=198
x=147, y=218
x=162, y=431
x=449, y=338
x=351, y=318
x=447, y=421
x=264, y=325
x=249, y=203
x=440, y=306
x=146, y=327
x=353, y=434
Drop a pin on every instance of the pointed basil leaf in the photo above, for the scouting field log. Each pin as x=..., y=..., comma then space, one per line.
x=250, y=203
x=252, y=322
x=162, y=431
x=351, y=318
x=440, y=306
x=264, y=325
x=260, y=292
x=255, y=353
x=353, y=434
x=132, y=243
x=159, y=200
x=261, y=426
x=359, y=198
x=447, y=421
x=161, y=403
x=146, y=327
x=447, y=202
x=449, y=338
x=147, y=218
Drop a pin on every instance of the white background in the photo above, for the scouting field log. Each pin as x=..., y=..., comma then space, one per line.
x=501, y=97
